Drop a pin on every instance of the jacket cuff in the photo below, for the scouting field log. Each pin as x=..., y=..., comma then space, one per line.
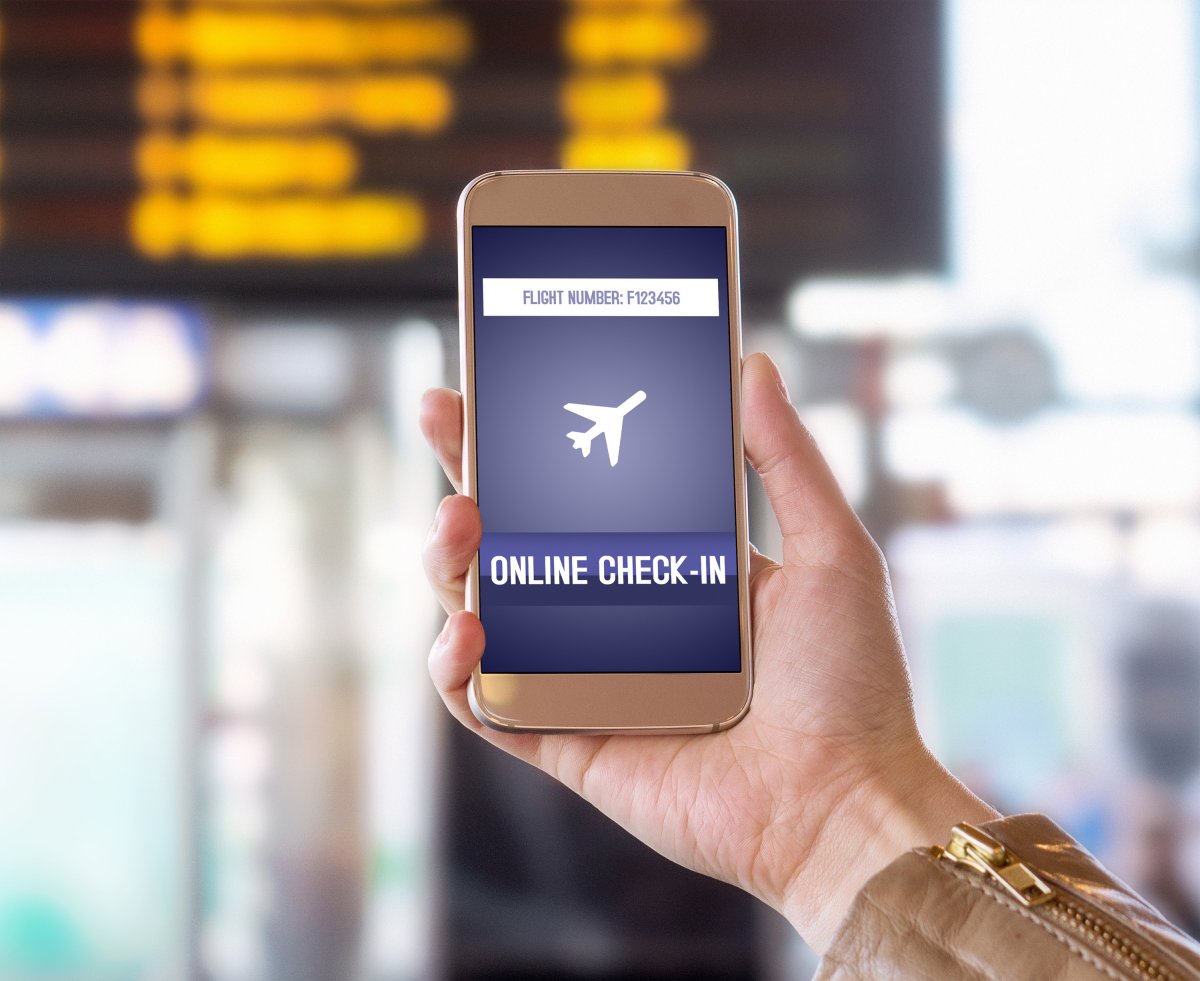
x=922, y=917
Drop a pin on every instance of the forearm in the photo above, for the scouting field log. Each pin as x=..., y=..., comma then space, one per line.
x=901, y=806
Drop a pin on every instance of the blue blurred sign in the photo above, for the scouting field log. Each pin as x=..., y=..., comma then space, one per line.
x=101, y=358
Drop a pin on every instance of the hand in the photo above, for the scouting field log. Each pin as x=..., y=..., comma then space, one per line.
x=826, y=780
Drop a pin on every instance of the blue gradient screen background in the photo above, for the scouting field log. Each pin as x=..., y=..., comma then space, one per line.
x=672, y=491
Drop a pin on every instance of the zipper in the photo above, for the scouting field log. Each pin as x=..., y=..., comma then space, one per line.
x=976, y=850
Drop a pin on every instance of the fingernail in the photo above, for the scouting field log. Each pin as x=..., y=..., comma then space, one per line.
x=787, y=396
x=437, y=517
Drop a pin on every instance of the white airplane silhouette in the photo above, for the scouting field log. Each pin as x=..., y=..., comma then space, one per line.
x=607, y=420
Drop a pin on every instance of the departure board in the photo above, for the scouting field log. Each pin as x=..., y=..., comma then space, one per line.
x=317, y=147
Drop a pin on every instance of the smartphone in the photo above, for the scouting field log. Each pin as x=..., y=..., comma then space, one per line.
x=601, y=356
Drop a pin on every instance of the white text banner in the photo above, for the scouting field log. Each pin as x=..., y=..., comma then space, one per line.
x=609, y=297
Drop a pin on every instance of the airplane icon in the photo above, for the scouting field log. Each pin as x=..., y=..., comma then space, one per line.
x=608, y=421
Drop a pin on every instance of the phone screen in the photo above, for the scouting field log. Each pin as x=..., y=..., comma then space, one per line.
x=604, y=450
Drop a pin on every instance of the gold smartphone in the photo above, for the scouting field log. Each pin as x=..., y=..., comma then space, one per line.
x=601, y=357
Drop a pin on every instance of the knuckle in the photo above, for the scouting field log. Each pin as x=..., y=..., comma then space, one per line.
x=436, y=567
x=858, y=556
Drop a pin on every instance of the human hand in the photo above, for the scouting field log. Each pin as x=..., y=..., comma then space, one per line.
x=826, y=780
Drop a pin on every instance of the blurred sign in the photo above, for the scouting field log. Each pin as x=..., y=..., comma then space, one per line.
x=100, y=359
x=319, y=147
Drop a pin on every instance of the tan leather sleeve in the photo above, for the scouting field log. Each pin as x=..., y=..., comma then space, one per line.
x=921, y=918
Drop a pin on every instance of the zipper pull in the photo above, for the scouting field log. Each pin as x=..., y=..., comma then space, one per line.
x=978, y=850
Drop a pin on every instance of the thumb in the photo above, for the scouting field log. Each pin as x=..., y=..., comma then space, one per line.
x=808, y=504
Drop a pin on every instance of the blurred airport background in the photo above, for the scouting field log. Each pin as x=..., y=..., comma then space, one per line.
x=227, y=273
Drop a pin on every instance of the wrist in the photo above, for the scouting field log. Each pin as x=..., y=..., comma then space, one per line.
x=893, y=809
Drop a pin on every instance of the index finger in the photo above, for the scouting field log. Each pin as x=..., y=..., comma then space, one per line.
x=442, y=426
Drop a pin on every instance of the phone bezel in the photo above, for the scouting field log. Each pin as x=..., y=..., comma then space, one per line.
x=642, y=702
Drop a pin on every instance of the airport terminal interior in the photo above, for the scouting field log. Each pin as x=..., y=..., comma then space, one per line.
x=970, y=238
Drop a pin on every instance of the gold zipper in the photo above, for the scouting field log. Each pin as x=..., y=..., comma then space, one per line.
x=974, y=849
